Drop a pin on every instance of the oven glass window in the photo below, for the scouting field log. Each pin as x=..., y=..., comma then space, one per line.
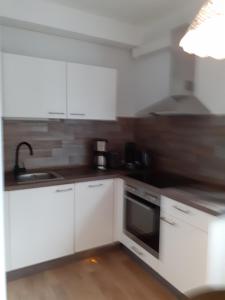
x=142, y=221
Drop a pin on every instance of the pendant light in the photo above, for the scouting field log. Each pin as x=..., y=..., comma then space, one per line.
x=206, y=35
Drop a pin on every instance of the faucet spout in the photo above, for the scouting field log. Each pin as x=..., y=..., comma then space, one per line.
x=17, y=169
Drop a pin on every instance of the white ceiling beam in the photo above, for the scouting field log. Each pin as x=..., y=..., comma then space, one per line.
x=153, y=46
x=156, y=35
x=51, y=16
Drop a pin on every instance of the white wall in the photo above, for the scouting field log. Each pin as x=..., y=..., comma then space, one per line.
x=210, y=84
x=151, y=78
x=32, y=43
x=2, y=254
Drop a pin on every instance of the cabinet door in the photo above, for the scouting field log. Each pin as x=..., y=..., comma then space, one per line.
x=91, y=92
x=93, y=214
x=33, y=87
x=183, y=254
x=41, y=224
x=7, y=231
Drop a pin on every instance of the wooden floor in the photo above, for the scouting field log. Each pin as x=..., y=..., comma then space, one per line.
x=112, y=276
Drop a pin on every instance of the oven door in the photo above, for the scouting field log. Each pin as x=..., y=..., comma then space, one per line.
x=142, y=222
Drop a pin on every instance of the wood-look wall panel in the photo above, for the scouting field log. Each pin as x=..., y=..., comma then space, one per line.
x=62, y=143
x=189, y=145
x=193, y=146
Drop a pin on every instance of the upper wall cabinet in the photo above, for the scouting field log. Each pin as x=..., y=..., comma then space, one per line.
x=91, y=92
x=34, y=87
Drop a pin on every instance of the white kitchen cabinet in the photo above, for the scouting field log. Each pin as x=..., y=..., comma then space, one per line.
x=190, y=215
x=140, y=252
x=41, y=224
x=91, y=92
x=183, y=254
x=94, y=211
x=7, y=231
x=33, y=87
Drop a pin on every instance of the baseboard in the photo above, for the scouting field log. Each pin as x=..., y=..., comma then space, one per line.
x=27, y=271
x=149, y=270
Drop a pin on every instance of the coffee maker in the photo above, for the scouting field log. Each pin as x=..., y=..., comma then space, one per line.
x=100, y=154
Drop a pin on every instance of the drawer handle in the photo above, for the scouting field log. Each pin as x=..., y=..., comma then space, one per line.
x=56, y=113
x=151, y=195
x=77, y=114
x=131, y=187
x=95, y=185
x=185, y=211
x=168, y=222
x=63, y=191
x=137, y=251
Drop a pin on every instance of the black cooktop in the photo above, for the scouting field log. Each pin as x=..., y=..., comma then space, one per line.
x=160, y=180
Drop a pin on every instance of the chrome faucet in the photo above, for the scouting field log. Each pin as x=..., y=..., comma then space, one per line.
x=17, y=169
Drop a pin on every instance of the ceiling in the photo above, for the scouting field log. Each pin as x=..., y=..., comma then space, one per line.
x=137, y=12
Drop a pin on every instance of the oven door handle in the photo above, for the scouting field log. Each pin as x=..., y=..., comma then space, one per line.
x=138, y=203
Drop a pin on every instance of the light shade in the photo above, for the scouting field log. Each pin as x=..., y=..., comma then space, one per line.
x=206, y=35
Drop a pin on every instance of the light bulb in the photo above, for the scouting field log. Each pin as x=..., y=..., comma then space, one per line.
x=206, y=35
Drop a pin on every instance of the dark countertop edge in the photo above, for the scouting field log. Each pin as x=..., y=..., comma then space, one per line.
x=180, y=196
x=184, y=198
x=173, y=193
x=56, y=182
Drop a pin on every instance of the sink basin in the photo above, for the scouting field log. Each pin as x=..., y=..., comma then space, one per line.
x=37, y=177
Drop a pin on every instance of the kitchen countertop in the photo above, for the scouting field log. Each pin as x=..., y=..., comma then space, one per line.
x=205, y=197
x=70, y=175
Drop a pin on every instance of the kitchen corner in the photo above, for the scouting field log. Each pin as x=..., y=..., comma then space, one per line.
x=127, y=196
x=114, y=152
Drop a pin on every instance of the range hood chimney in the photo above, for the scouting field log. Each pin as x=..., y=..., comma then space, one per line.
x=181, y=100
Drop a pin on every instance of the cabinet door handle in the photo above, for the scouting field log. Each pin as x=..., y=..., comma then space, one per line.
x=56, y=113
x=95, y=185
x=168, y=222
x=64, y=190
x=185, y=211
x=77, y=114
x=137, y=251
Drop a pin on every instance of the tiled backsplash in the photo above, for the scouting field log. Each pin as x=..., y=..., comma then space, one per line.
x=62, y=143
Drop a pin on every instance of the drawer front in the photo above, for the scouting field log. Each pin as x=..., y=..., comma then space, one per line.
x=187, y=213
x=144, y=255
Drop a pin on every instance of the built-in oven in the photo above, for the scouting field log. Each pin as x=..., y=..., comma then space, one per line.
x=142, y=217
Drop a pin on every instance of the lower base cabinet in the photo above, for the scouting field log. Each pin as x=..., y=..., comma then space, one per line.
x=47, y=223
x=43, y=224
x=183, y=256
x=192, y=248
x=40, y=225
x=94, y=213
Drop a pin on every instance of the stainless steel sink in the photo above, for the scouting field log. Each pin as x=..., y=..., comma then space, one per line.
x=37, y=177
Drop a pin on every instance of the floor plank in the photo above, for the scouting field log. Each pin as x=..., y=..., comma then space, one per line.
x=111, y=276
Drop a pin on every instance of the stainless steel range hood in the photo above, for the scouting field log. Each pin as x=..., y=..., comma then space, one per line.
x=182, y=100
